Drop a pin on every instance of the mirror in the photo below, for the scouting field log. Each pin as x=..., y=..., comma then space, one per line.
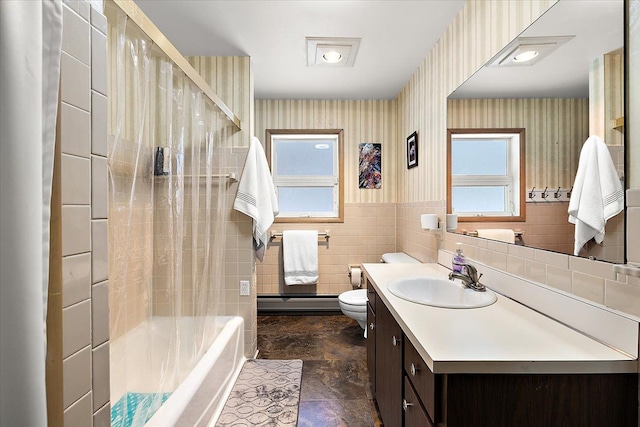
x=565, y=96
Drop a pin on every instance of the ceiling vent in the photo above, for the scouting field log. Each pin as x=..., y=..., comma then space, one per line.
x=332, y=51
x=527, y=50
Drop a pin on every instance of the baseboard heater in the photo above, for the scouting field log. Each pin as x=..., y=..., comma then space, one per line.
x=290, y=304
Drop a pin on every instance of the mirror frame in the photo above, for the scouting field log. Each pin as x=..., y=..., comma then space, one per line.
x=523, y=174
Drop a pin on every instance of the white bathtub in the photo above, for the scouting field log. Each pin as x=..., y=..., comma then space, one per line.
x=147, y=360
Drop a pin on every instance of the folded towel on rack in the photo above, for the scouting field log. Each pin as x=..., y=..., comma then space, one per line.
x=256, y=195
x=300, y=257
x=502, y=234
x=597, y=193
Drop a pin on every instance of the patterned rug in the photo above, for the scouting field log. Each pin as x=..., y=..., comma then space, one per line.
x=267, y=393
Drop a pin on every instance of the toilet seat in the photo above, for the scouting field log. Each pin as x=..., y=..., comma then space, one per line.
x=356, y=298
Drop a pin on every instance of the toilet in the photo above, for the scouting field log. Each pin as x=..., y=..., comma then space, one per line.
x=354, y=303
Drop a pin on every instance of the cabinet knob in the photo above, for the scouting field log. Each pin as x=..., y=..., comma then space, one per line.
x=372, y=325
x=395, y=341
x=405, y=405
x=413, y=370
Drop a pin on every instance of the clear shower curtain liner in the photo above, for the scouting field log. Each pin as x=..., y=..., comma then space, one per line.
x=167, y=207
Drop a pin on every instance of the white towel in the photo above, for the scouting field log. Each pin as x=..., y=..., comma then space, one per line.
x=502, y=234
x=256, y=195
x=300, y=256
x=597, y=193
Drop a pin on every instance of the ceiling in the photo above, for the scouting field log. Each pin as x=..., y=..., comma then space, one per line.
x=598, y=29
x=396, y=37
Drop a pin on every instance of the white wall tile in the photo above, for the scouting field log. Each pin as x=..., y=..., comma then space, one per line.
x=76, y=229
x=633, y=235
x=76, y=278
x=498, y=246
x=75, y=131
x=76, y=36
x=100, y=313
x=98, y=21
x=79, y=414
x=75, y=82
x=76, y=180
x=633, y=197
x=534, y=270
x=100, y=367
x=98, y=61
x=521, y=251
x=102, y=417
x=99, y=251
x=622, y=297
x=76, y=332
x=552, y=258
x=592, y=267
x=77, y=376
x=99, y=188
x=515, y=265
x=559, y=278
x=99, y=106
x=81, y=7
x=589, y=287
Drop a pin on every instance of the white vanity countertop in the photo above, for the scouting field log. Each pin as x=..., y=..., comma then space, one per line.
x=505, y=337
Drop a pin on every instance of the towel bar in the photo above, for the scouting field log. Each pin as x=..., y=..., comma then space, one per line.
x=326, y=234
x=517, y=233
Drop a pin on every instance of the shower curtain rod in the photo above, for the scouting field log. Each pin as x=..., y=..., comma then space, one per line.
x=144, y=23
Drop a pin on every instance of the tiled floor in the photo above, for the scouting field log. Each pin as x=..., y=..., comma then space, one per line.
x=335, y=388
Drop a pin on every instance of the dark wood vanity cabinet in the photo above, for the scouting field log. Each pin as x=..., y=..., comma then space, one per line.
x=371, y=337
x=408, y=393
x=386, y=364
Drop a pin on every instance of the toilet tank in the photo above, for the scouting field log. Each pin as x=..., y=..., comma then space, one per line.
x=398, y=258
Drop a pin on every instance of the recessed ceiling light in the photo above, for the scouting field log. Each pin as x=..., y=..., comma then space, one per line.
x=332, y=51
x=332, y=57
x=527, y=51
x=321, y=146
x=525, y=56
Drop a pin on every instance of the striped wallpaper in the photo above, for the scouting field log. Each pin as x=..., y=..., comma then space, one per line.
x=362, y=121
x=231, y=78
x=479, y=31
x=555, y=132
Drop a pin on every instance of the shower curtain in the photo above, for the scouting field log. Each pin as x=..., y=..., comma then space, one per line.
x=168, y=202
x=30, y=43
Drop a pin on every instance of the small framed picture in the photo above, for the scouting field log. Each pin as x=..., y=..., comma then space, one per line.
x=412, y=150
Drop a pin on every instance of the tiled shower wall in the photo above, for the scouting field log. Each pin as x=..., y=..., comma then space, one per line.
x=83, y=138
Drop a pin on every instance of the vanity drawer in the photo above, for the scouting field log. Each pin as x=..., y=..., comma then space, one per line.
x=371, y=296
x=414, y=414
x=423, y=380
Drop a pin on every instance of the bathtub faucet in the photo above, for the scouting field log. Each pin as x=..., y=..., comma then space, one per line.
x=469, y=277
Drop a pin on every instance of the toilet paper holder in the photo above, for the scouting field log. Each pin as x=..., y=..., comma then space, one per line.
x=355, y=279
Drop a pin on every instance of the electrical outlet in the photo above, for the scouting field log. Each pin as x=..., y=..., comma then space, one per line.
x=244, y=287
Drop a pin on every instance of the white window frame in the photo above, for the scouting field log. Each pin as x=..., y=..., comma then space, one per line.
x=332, y=181
x=514, y=206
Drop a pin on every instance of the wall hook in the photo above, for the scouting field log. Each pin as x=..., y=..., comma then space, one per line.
x=544, y=193
x=557, y=193
x=531, y=195
x=569, y=192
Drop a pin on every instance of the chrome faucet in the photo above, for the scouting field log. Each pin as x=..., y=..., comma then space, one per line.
x=469, y=277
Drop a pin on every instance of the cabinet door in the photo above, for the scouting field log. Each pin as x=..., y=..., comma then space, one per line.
x=388, y=367
x=414, y=414
x=371, y=347
x=427, y=385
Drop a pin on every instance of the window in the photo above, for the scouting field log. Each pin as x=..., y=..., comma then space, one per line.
x=486, y=174
x=307, y=169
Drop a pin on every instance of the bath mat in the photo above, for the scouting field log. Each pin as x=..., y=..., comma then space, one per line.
x=267, y=393
x=132, y=405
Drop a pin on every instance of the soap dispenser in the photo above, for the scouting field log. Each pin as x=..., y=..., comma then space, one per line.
x=458, y=260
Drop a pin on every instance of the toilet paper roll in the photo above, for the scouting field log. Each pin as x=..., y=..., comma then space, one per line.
x=356, y=277
x=429, y=221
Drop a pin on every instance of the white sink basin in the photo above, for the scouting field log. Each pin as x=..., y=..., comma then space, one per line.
x=438, y=292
